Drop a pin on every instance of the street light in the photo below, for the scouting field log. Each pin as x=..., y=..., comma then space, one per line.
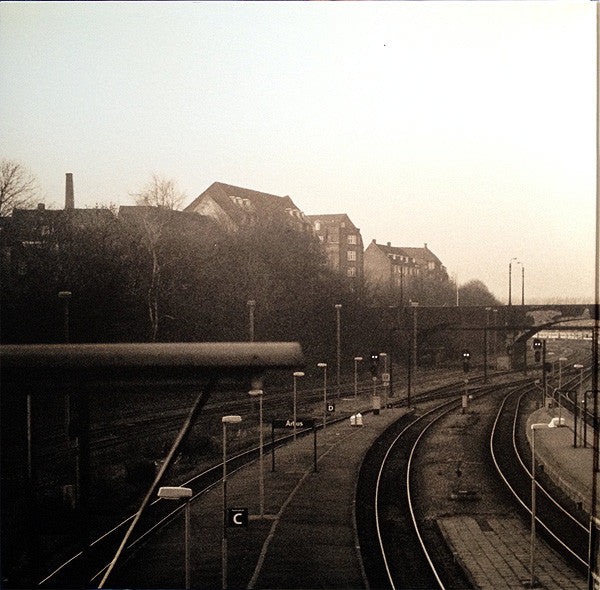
x=522, y=283
x=66, y=297
x=510, y=280
x=414, y=305
x=577, y=396
x=225, y=420
x=385, y=371
x=534, y=427
x=178, y=493
x=561, y=360
x=338, y=307
x=357, y=359
x=296, y=375
x=324, y=367
x=251, y=305
x=261, y=478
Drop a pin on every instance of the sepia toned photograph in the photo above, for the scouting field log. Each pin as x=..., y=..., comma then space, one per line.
x=300, y=294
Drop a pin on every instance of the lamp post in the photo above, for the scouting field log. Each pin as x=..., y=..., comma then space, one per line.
x=296, y=375
x=225, y=420
x=534, y=427
x=66, y=297
x=338, y=307
x=577, y=396
x=178, y=493
x=357, y=359
x=414, y=305
x=324, y=367
x=522, y=283
x=510, y=280
x=561, y=360
x=385, y=370
x=261, y=477
x=251, y=306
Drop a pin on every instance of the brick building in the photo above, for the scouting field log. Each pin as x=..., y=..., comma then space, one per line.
x=342, y=242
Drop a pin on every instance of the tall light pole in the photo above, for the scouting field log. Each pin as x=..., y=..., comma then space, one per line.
x=324, y=367
x=338, y=307
x=510, y=280
x=66, y=297
x=357, y=359
x=385, y=370
x=261, y=474
x=534, y=427
x=178, y=493
x=251, y=305
x=297, y=374
x=577, y=396
x=225, y=421
x=414, y=305
x=522, y=283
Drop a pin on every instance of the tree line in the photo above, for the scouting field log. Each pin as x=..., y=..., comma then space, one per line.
x=158, y=274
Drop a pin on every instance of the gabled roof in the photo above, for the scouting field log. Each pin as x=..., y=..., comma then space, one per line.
x=332, y=218
x=240, y=203
x=423, y=254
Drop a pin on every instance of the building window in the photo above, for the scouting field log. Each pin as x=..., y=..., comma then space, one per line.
x=351, y=254
x=352, y=239
x=351, y=272
x=317, y=225
x=322, y=238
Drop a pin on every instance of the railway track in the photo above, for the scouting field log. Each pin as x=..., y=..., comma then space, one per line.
x=401, y=557
x=557, y=520
x=160, y=512
x=410, y=551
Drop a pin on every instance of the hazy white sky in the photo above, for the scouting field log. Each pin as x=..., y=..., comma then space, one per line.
x=466, y=125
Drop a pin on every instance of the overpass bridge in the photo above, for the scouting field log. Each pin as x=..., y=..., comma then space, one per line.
x=487, y=331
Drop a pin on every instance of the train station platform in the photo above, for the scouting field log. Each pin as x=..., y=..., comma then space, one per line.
x=306, y=536
x=569, y=466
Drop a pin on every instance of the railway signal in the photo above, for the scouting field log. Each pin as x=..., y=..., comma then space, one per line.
x=466, y=357
x=537, y=349
x=374, y=363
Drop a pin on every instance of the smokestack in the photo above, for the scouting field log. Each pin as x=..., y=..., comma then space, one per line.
x=69, y=193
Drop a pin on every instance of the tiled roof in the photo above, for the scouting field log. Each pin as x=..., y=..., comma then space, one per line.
x=249, y=202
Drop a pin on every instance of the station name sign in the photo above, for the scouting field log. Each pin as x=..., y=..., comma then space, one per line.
x=289, y=423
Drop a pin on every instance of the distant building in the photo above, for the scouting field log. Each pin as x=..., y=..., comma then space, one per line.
x=342, y=242
x=233, y=208
x=28, y=229
x=393, y=268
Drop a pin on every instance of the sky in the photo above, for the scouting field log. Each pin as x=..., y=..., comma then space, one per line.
x=469, y=126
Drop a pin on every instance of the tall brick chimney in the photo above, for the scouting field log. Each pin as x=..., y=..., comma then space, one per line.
x=69, y=193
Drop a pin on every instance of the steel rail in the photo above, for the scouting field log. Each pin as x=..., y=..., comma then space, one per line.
x=513, y=491
x=528, y=471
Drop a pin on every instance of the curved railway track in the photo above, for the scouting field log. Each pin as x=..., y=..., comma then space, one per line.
x=402, y=557
x=160, y=512
x=560, y=525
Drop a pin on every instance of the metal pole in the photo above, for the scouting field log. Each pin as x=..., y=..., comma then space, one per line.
x=251, y=305
x=338, y=307
x=324, y=367
x=485, y=355
x=510, y=282
x=224, y=537
x=261, y=474
x=187, y=545
x=522, y=284
x=533, y=507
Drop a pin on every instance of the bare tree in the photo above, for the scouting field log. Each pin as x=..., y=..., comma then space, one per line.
x=160, y=192
x=160, y=197
x=18, y=187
